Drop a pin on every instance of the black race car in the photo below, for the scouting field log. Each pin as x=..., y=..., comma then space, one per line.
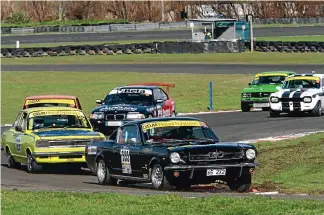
x=132, y=102
x=170, y=152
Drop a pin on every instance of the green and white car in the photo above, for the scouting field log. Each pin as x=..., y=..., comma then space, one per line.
x=260, y=88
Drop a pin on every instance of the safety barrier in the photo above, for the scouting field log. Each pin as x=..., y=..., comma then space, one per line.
x=166, y=47
x=105, y=27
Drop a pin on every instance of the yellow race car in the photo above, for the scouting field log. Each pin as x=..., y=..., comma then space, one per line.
x=48, y=135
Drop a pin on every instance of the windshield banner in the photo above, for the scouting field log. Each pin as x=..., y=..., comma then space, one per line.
x=312, y=78
x=129, y=90
x=149, y=125
x=58, y=112
x=59, y=101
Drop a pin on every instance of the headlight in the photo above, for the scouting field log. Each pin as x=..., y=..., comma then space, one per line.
x=135, y=116
x=274, y=99
x=250, y=154
x=97, y=115
x=175, y=157
x=246, y=95
x=307, y=99
x=42, y=143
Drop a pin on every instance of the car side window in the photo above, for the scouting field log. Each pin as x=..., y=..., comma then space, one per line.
x=17, y=120
x=23, y=121
x=163, y=95
x=156, y=94
x=128, y=135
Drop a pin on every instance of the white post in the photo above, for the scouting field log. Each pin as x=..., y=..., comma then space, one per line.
x=251, y=32
x=17, y=44
x=162, y=10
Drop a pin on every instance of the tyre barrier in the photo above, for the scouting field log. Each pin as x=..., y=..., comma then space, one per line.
x=165, y=48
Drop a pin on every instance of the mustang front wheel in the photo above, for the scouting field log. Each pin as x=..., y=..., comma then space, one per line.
x=317, y=111
x=240, y=184
x=103, y=174
x=159, y=181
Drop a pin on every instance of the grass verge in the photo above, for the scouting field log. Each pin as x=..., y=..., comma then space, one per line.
x=18, y=202
x=190, y=93
x=291, y=166
x=318, y=38
x=231, y=58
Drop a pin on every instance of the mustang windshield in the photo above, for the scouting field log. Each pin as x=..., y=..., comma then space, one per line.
x=301, y=83
x=276, y=79
x=177, y=130
x=130, y=96
x=57, y=119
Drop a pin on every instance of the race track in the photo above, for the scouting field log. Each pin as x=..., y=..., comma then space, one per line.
x=150, y=35
x=168, y=68
x=233, y=126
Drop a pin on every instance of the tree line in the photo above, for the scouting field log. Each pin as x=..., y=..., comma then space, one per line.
x=151, y=11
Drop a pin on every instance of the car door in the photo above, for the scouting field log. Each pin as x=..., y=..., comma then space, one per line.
x=21, y=139
x=125, y=152
x=8, y=137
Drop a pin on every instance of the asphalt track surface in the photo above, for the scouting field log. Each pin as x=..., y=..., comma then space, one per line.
x=150, y=35
x=168, y=68
x=229, y=126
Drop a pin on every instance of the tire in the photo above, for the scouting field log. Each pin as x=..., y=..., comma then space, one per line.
x=11, y=161
x=245, y=107
x=32, y=166
x=103, y=174
x=265, y=109
x=158, y=179
x=317, y=111
x=240, y=184
x=273, y=113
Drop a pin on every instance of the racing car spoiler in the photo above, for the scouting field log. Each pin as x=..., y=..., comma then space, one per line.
x=167, y=85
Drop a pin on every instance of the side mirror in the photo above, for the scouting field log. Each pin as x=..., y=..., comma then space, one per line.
x=249, y=84
x=99, y=101
x=158, y=101
x=18, y=128
x=278, y=88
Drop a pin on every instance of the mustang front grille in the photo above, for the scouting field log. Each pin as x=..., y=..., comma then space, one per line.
x=291, y=99
x=69, y=143
x=216, y=156
x=115, y=116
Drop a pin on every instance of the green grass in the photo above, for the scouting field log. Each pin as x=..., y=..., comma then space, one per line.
x=231, y=58
x=291, y=166
x=18, y=202
x=61, y=23
x=190, y=93
x=317, y=38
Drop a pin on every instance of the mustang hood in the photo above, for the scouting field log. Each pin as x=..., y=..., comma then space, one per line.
x=204, y=146
x=261, y=88
x=66, y=133
x=294, y=93
x=121, y=108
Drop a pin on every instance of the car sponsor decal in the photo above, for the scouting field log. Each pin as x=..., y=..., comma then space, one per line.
x=58, y=112
x=125, y=161
x=92, y=150
x=60, y=101
x=119, y=108
x=149, y=125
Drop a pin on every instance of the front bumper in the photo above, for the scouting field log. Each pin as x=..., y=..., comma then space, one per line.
x=292, y=107
x=101, y=125
x=257, y=103
x=59, y=157
x=198, y=173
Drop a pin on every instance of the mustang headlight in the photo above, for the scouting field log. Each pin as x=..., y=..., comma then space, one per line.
x=250, y=154
x=97, y=115
x=274, y=99
x=42, y=143
x=246, y=95
x=175, y=157
x=135, y=116
x=307, y=99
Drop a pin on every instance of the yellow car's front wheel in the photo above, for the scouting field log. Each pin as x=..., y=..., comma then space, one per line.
x=32, y=166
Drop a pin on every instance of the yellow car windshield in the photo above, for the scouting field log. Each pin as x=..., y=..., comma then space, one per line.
x=65, y=119
x=302, y=82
